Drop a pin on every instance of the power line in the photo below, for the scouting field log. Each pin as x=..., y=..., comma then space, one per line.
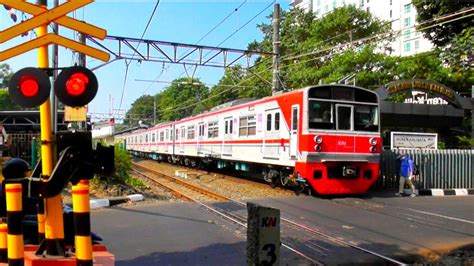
x=141, y=38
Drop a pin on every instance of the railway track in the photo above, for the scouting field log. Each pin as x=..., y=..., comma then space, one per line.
x=320, y=245
x=180, y=188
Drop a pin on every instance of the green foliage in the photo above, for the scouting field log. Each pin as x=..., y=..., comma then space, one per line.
x=182, y=98
x=135, y=183
x=465, y=142
x=5, y=75
x=429, y=12
x=5, y=102
x=141, y=110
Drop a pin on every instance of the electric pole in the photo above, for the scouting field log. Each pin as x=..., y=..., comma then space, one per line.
x=276, y=86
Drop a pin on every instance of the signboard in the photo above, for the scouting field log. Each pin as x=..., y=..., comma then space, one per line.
x=75, y=114
x=413, y=140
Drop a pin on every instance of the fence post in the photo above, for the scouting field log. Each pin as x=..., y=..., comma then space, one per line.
x=34, y=152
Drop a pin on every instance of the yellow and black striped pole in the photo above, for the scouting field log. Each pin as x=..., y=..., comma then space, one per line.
x=15, y=224
x=53, y=225
x=82, y=223
x=41, y=218
x=3, y=243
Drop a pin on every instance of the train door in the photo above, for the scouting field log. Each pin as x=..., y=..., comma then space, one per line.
x=294, y=131
x=167, y=140
x=344, y=121
x=271, y=139
x=182, y=138
x=200, y=138
x=228, y=131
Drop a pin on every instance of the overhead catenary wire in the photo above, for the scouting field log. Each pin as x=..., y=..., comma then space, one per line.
x=180, y=107
x=141, y=38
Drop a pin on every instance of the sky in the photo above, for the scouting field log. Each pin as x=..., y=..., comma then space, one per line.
x=174, y=21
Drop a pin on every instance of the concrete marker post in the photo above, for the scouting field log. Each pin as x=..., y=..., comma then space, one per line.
x=263, y=235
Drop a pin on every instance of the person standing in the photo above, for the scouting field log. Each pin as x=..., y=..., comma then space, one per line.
x=407, y=172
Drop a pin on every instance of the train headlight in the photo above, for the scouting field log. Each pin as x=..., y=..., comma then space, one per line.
x=373, y=149
x=373, y=141
x=317, y=147
x=318, y=139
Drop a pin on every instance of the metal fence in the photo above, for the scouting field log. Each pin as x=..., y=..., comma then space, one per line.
x=443, y=169
x=21, y=145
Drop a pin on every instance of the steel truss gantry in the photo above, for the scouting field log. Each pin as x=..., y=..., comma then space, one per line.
x=176, y=53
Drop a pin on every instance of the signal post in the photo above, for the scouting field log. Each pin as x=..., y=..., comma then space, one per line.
x=75, y=86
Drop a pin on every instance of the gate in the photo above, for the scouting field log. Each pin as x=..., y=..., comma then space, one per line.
x=444, y=169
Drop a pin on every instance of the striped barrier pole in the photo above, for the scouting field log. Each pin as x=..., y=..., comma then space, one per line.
x=41, y=219
x=15, y=224
x=82, y=223
x=3, y=243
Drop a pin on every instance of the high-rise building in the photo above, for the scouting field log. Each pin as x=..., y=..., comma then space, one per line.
x=400, y=13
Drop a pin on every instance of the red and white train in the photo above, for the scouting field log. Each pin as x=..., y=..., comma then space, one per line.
x=325, y=137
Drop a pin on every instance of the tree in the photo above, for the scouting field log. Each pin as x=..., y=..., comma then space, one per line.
x=454, y=39
x=5, y=75
x=227, y=89
x=428, y=13
x=183, y=98
x=141, y=110
x=6, y=103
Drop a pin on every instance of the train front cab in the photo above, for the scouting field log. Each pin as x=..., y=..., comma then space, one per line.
x=340, y=145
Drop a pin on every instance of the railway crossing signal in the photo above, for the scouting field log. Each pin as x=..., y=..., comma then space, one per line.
x=75, y=86
x=29, y=87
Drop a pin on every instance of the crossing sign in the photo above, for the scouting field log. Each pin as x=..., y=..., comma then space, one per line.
x=43, y=16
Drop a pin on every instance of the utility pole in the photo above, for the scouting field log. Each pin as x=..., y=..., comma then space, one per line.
x=82, y=57
x=276, y=86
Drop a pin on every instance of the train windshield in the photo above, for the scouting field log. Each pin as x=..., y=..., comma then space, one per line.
x=331, y=115
x=343, y=108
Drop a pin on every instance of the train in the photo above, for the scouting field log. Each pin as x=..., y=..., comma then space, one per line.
x=323, y=138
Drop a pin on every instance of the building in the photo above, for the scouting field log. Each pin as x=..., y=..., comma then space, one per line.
x=400, y=13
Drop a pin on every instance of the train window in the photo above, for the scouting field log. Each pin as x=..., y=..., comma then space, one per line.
x=146, y=138
x=231, y=130
x=344, y=117
x=167, y=134
x=320, y=115
x=191, y=132
x=201, y=130
x=213, y=130
x=294, y=118
x=366, y=118
x=247, y=126
x=177, y=134
x=320, y=92
x=269, y=122
x=162, y=136
x=183, y=133
x=365, y=96
x=277, y=121
x=226, y=127
x=343, y=93
x=153, y=137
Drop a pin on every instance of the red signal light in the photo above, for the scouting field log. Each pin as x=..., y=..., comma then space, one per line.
x=76, y=86
x=29, y=87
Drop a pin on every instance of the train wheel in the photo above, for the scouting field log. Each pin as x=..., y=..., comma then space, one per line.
x=284, y=180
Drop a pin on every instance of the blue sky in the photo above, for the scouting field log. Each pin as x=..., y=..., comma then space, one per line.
x=174, y=21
